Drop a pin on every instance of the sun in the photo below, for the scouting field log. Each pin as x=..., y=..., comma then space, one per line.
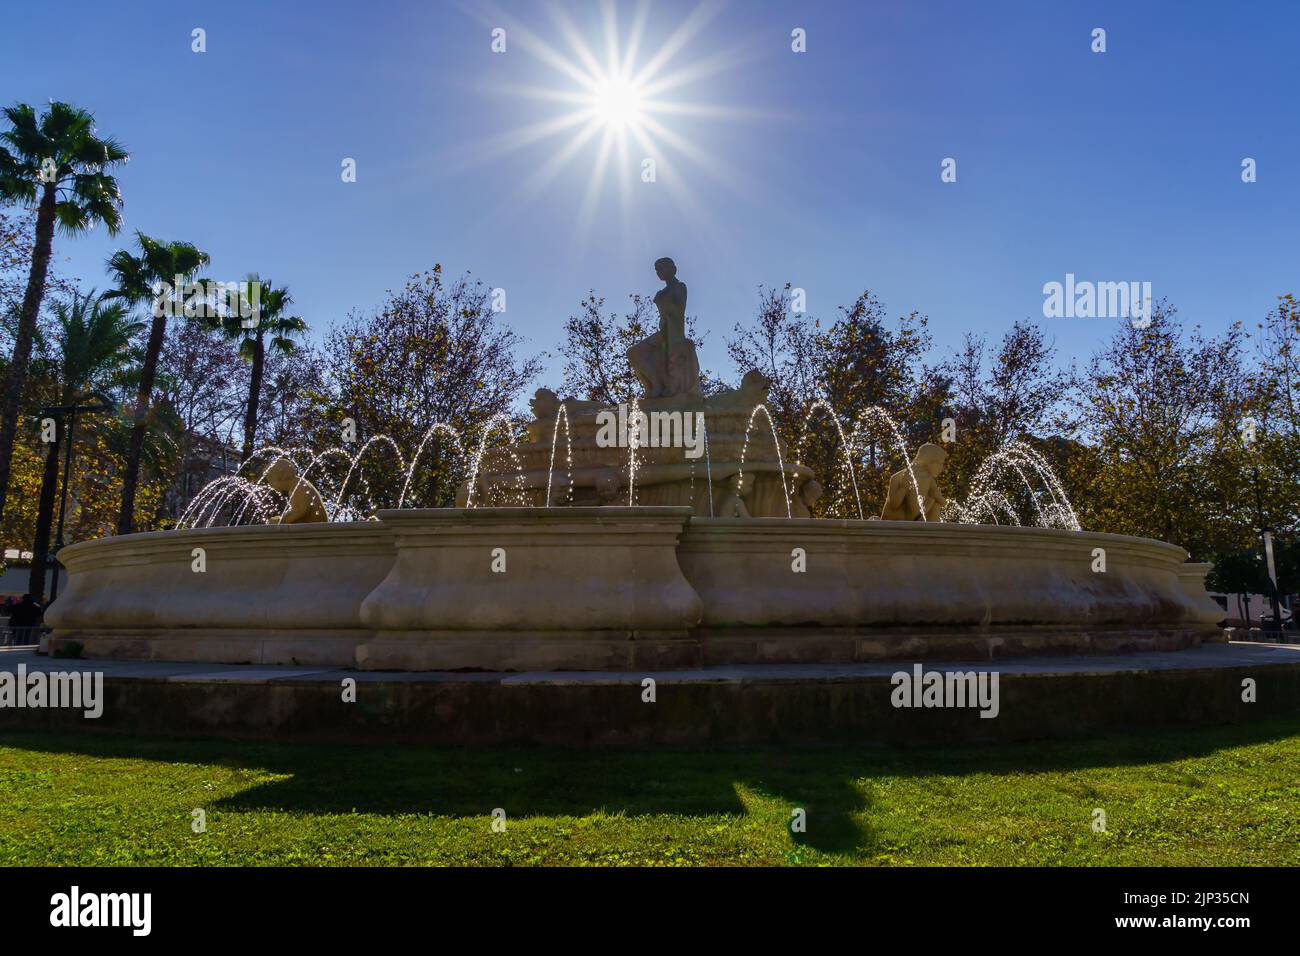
x=617, y=102
x=617, y=99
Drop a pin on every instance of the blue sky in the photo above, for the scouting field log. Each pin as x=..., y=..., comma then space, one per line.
x=820, y=169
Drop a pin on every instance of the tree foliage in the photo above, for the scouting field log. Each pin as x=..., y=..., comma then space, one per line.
x=860, y=366
x=55, y=163
x=596, y=344
x=433, y=353
x=1163, y=408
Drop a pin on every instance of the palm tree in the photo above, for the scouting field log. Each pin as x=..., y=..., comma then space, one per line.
x=271, y=321
x=93, y=349
x=57, y=163
x=139, y=279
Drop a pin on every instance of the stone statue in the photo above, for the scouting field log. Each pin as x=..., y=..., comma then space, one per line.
x=462, y=494
x=665, y=362
x=902, y=503
x=305, y=504
x=805, y=498
x=545, y=406
x=608, y=486
x=753, y=391
x=733, y=505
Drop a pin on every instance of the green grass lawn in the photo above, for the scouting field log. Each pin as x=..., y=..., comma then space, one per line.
x=1223, y=796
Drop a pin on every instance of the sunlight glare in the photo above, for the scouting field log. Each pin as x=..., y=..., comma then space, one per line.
x=617, y=103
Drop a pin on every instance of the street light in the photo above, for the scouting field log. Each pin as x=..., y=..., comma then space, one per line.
x=1266, y=541
x=102, y=405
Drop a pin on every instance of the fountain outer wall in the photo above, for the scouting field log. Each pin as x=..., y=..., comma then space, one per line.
x=877, y=590
x=266, y=594
x=533, y=588
x=619, y=588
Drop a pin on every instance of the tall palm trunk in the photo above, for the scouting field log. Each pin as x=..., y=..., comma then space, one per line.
x=45, y=518
x=254, y=393
x=126, y=518
x=13, y=395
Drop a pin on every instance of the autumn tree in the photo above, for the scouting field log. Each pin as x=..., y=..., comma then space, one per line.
x=294, y=394
x=1163, y=409
x=202, y=381
x=433, y=353
x=17, y=246
x=1011, y=392
x=596, y=344
x=93, y=348
x=1274, y=414
x=864, y=368
x=79, y=345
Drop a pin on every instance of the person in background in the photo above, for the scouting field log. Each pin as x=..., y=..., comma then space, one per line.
x=25, y=621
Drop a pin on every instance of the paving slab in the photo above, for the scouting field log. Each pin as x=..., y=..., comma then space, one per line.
x=1207, y=656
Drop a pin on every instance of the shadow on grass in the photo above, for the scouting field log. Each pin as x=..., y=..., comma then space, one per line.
x=832, y=783
x=562, y=783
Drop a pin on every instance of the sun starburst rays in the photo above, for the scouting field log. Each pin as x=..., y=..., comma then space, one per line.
x=612, y=91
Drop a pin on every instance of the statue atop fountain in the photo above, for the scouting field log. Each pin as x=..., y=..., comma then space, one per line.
x=665, y=362
x=583, y=452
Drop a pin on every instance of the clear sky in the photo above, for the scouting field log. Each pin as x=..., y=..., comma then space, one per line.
x=819, y=168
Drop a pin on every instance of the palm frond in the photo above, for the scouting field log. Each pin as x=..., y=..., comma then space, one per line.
x=25, y=134
x=63, y=122
x=71, y=218
x=158, y=262
x=17, y=179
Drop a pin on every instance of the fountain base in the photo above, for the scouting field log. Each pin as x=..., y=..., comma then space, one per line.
x=617, y=588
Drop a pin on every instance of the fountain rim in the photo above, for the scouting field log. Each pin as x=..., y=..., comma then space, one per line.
x=382, y=530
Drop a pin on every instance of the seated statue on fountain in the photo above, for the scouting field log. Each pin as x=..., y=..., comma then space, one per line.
x=754, y=388
x=546, y=405
x=902, y=503
x=665, y=362
x=733, y=505
x=805, y=497
x=305, y=503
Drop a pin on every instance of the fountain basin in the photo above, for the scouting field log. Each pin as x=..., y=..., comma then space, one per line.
x=533, y=588
x=618, y=588
x=266, y=593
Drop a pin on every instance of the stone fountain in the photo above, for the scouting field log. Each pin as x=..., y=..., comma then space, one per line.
x=670, y=532
x=718, y=455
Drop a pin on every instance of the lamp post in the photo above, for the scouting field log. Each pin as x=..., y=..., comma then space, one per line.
x=1266, y=543
x=71, y=411
x=38, y=579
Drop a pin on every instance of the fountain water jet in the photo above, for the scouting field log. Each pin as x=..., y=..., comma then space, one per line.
x=776, y=442
x=823, y=404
